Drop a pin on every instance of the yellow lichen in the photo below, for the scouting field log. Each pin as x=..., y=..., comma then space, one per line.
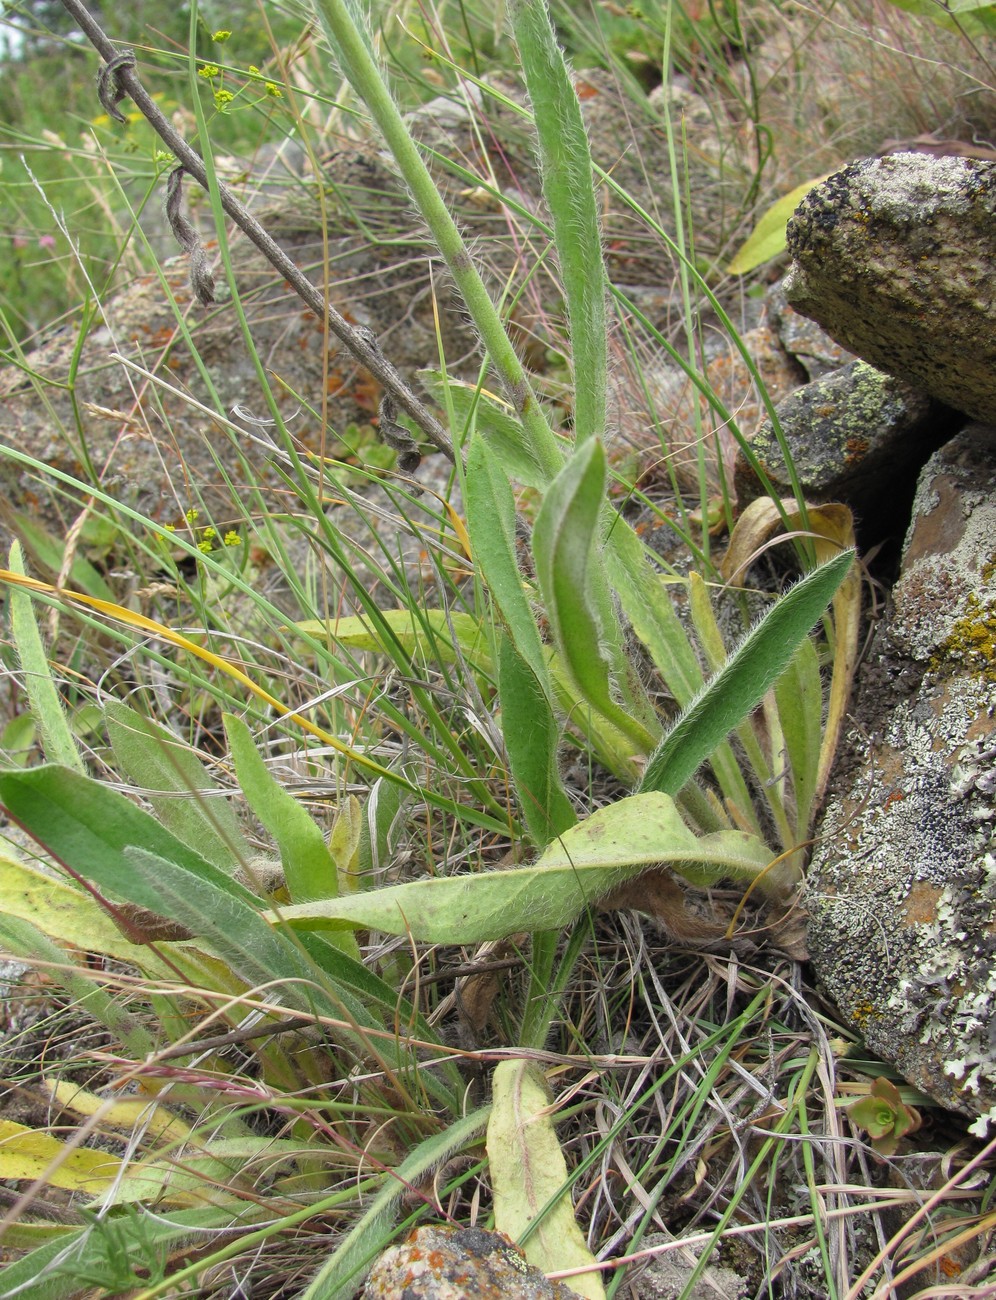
x=972, y=641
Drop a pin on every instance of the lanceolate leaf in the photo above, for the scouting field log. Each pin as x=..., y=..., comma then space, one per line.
x=337, y=1279
x=576, y=869
x=423, y=635
x=308, y=866
x=26, y=1153
x=43, y=697
x=767, y=239
x=88, y=826
x=495, y=420
x=566, y=548
x=799, y=692
x=491, y=522
x=568, y=187
x=754, y=667
x=532, y=735
x=156, y=760
x=529, y=1182
x=67, y=914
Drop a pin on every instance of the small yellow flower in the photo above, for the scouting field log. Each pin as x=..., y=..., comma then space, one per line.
x=220, y=37
x=208, y=70
x=222, y=98
x=254, y=71
x=232, y=538
x=191, y=514
x=170, y=528
x=208, y=533
x=273, y=90
x=205, y=546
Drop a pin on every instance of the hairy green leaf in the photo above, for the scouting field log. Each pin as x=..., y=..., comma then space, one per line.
x=309, y=869
x=155, y=759
x=88, y=826
x=752, y=669
x=491, y=524
x=586, y=631
x=532, y=735
x=576, y=869
x=568, y=187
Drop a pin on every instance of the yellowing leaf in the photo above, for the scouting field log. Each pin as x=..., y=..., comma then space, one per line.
x=127, y=1113
x=67, y=915
x=27, y=1153
x=344, y=841
x=430, y=633
x=767, y=239
x=529, y=1180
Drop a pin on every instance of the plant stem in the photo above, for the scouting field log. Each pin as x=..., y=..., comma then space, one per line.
x=361, y=69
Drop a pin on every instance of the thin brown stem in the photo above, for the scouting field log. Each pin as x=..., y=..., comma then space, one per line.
x=126, y=81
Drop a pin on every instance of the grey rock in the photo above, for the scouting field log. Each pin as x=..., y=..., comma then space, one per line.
x=896, y=258
x=902, y=886
x=440, y=1263
x=852, y=435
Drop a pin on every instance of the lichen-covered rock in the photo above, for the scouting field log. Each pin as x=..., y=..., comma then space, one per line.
x=440, y=1263
x=855, y=435
x=902, y=887
x=896, y=259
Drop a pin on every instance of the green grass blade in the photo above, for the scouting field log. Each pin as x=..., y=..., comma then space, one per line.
x=568, y=187
x=60, y=747
x=753, y=668
x=341, y=1274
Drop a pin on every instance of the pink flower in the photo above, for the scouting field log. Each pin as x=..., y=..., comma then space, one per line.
x=46, y=241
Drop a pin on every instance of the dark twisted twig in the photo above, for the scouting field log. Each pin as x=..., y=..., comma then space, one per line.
x=117, y=79
x=201, y=279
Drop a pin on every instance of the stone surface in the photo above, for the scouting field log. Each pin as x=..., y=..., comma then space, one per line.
x=902, y=886
x=440, y=1263
x=855, y=435
x=896, y=258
